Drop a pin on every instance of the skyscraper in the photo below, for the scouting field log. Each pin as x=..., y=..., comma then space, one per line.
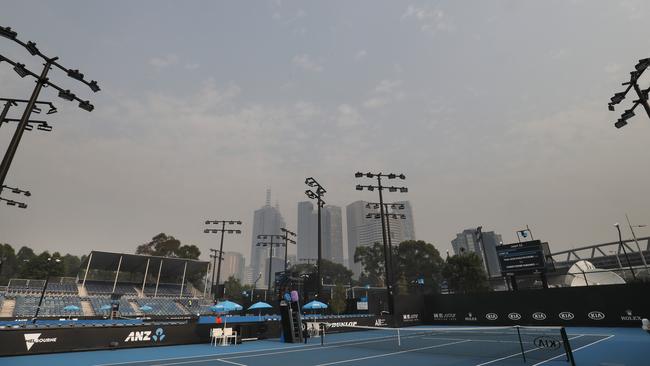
x=266, y=220
x=331, y=232
x=466, y=242
x=408, y=228
x=233, y=265
x=363, y=231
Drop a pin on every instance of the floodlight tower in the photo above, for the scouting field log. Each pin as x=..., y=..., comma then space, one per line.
x=318, y=196
x=639, y=68
x=270, y=244
x=223, y=231
x=380, y=188
x=395, y=216
x=287, y=240
x=41, y=81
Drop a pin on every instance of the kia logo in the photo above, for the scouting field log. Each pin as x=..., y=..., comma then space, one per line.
x=596, y=315
x=539, y=316
x=565, y=315
x=546, y=342
x=514, y=316
x=491, y=316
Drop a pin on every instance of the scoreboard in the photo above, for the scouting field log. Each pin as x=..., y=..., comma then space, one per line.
x=522, y=258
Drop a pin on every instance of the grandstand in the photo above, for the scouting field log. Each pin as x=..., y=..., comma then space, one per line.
x=136, y=279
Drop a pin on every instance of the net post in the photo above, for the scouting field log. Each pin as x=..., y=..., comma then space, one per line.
x=521, y=344
x=399, y=339
x=567, y=347
x=322, y=333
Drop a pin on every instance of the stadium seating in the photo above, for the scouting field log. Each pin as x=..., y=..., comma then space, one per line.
x=196, y=306
x=98, y=301
x=52, y=306
x=62, y=287
x=166, y=290
x=106, y=288
x=161, y=306
x=20, y=286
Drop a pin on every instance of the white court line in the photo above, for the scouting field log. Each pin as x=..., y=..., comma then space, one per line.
x=390, y=354
x=518, y=354
x=231, y=362
x=577, y=349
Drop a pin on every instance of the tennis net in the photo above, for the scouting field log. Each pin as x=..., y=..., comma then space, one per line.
x=509, y=342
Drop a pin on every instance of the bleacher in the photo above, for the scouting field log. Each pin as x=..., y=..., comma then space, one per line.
x=63, y=285
x=162, y=306
x=106, y=288
x=166, y=290
x=98, y=301
x=21, y=286
x=52, y=306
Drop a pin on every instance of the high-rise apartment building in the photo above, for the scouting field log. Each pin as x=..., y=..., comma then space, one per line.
x=233, y=265
x=364, y=231
x=466, y=242
x=266, y=220
x=331, y=232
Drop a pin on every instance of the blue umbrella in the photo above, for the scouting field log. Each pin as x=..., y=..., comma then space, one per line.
x=230, y=306
x=146, y=308
x=314, y=305
x=71, y=308
x=260, y=305
x=218, y=308
x=105, y=307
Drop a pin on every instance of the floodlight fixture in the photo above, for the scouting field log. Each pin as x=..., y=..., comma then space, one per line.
x=93, y=86
x=392, y=189
x=85, y=105
x=369, y=175
x=643, y=64
x=401, y=176
x=230, y=231
x=359, y=187
x=392, y=176
x=43, y=127
x=611, y=107
x=206, y=231
x=21, y=70
x=370, y=188
x=403, y=189
x=8, y=33
x=618, y=97
x=36, y=109
x=75, y=74
x=358, y=175
x=627, y=114
x=620, y=123
x=31, y=47
x=67, y=95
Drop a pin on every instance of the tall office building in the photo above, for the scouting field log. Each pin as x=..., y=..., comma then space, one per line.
x=466, y=242
x=331, y=232
x=266, y=220
x=233, y=265
x=408, y=228
x=363, y=231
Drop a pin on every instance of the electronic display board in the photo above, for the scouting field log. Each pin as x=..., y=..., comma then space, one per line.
x=522, y=258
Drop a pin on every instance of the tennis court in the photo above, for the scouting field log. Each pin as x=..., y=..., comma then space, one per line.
x=591, y=346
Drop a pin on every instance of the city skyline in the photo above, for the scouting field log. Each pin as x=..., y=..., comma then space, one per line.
x=495, y=117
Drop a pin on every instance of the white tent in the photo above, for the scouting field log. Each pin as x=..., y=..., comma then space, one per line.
x=584, y=273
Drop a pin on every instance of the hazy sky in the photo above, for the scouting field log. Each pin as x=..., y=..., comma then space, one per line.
x=496, y=111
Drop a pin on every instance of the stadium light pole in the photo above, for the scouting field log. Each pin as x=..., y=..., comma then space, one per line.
x=380, y=188
x=269, y=244
x=639, y=68
x=16, y=191
x=213, y=255
x=638, y=247
x=41, y=81
x=287, y=240
x=393, y=206
x=50, y=263
x=318, y=196
x=223, y=231
x=620, y=243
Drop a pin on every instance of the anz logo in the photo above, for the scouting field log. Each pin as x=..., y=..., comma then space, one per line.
x=146, y=336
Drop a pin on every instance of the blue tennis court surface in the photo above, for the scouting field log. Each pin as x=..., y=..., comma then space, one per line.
x=591, y=346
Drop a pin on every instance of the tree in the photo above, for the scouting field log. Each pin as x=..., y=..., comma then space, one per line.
x=465, y=274
x=337, y=303
x=372, y=261
x=419, y=264
x=330, y=271
x=234, y=290
x=163, y=245
x=8, y=263
x=71, y=265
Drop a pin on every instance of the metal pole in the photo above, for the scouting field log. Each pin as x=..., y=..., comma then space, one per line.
x=90, y=258
x=530, y=232
x=627, y=259
x=389, y=285
x=15, y=140
x=146, y=272
x=3, y=115
x=155, y=293
x=270, y=263
x=223, y=232
x=390, y=240
x=119, y=265
x=320, y=249
x=183, y=282
x=645, y=265
x=205, y=284
x=286, y=249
